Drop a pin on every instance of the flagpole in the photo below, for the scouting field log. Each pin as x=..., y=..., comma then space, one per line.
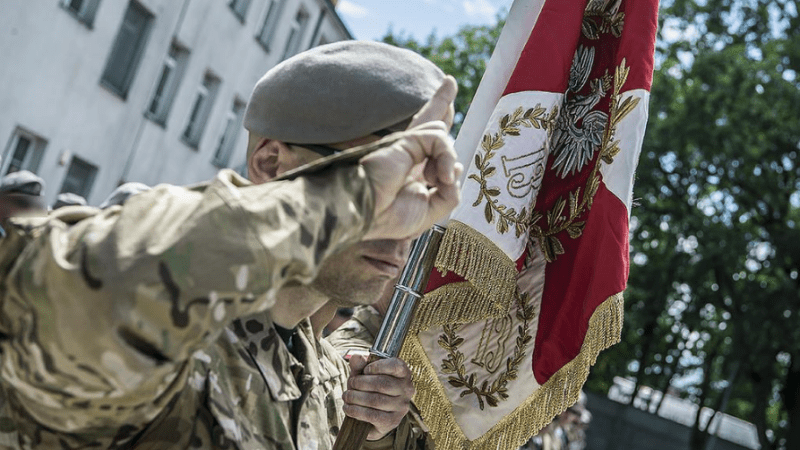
x=408, y=290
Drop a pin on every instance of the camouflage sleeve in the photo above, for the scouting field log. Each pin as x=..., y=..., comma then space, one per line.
x=103, y=308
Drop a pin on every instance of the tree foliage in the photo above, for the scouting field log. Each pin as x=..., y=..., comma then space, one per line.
x=463, y=55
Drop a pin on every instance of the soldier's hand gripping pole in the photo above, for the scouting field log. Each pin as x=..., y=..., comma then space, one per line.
x=407, y=291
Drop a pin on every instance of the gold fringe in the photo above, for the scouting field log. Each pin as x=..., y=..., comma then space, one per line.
x=561, y=391
x=491, y=280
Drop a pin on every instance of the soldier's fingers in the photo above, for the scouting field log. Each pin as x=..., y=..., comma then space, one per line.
x=388, y=366
x=438, y=106
x=378, y=402
x=443, y=200
x=436, y=146
x=357, y=364
x=383, y=384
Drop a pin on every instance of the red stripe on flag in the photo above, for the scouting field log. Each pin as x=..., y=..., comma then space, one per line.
x=547, y=56
x=592, y=269
x=639, y=42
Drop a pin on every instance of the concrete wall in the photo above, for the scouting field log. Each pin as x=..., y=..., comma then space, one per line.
x=51, y=66
x=616, y=426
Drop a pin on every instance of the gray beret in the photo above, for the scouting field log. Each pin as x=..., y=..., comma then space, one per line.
x=22, y=182
x=122, y=193
x=69, y=199
x=339, y=92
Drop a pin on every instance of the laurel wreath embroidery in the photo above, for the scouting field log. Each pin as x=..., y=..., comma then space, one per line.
x=536, y=117
x=602, y=16
x=491, y=393
x=557, y=220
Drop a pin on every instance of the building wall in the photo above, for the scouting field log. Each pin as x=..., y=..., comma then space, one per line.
x=617, y=426
x=52, y=65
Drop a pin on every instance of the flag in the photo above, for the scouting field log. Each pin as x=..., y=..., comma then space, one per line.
x=529, y=277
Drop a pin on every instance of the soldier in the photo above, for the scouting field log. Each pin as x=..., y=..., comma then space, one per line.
x=179, y=319
x=68, y=199
x=21, y=193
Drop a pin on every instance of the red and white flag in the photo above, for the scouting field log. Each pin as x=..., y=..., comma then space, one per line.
x=534, y=261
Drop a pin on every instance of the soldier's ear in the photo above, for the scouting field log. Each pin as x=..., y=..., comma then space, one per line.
x=262, y=165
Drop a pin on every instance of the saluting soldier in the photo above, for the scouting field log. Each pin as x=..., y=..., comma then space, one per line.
x=179, y=319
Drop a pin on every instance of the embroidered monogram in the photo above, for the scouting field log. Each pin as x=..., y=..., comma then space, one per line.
x=490, y=392
x=536, y=117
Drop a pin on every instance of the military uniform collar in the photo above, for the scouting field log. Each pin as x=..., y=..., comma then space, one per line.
x=286, y=376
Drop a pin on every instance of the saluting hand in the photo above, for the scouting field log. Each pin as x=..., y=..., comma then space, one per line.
x=415, y=178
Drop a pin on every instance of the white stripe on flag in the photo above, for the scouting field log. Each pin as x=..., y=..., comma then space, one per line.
x=618, y=176
x=520, y=21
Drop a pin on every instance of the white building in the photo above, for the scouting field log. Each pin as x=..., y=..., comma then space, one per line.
x=98, y=92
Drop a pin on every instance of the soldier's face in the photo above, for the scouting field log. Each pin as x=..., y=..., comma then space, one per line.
x=361, y=273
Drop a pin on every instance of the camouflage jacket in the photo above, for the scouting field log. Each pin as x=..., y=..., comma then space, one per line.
x=359, y=332
x=118, y=327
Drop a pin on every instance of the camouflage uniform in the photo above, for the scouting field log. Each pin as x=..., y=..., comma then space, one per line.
x=118, y=327
x=358, y=334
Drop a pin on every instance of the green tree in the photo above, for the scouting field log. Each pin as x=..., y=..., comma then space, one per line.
x=463, y=55
x=718, y=183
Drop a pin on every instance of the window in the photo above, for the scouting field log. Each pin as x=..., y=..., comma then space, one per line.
x=24, y=152
x=201, y=108
x=296, y=33
x=83, y=10
x=233, y=123
x=167, y=85
x=274, y=9
x=80, y=177
x=239, y=8
x=127, y=49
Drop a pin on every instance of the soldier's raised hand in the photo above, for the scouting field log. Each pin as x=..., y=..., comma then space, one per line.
x=415, y=178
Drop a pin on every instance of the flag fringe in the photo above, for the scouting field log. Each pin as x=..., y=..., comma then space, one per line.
x=558, y=393
x=491, y=280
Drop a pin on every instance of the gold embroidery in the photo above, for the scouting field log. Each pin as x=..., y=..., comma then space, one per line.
x=492, y=346
x=488, y=294
x=495, y=391
x=553, y=397
x=602, y=16
x=557, y=221
x=509, y=126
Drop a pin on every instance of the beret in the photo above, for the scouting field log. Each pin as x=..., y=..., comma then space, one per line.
x=339, y=92
x=69, y=199
x=22, y=182
x=122, y=193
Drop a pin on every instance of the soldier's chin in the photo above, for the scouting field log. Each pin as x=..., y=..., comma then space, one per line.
x=356, y=298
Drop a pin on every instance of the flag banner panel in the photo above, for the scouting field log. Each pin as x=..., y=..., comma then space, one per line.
x=530, y=273
x=618, y=176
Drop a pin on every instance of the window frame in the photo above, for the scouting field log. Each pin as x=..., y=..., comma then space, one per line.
x=201, y=110
x=271, y=19
x=165, y=90
x=234, y=119
x=136, y=56
x=240, y=8
x=296, y=33
x=87, y=183
x=33, y=154
x=86, y=12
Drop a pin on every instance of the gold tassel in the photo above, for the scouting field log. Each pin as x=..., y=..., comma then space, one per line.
x=491, y=280
x=558, y=393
